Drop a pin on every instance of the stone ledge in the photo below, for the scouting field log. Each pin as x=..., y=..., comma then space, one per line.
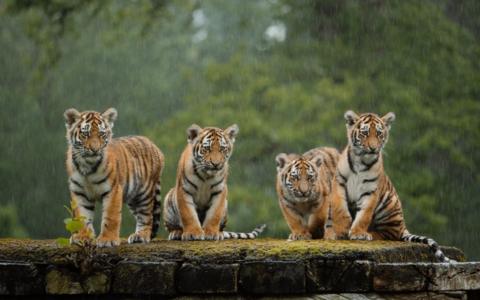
x=261, y=267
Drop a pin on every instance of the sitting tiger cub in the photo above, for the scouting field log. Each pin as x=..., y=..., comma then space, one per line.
x=196, y=208
x=112, y=171
x=363, y=184
x=304, y=188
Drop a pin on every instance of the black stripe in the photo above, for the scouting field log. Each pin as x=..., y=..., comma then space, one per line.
x=216, y=183
x=104, y=194
x=142, y=201
x=350, y=163
x=370, y=165
x=81, y=195
x=195, y=171
x=88, y=207
x=76, y=183
x=187, y=192
x=388, y=224
x=189, y=182
x=213, y=194
x=95, y=167
x=388, y=216
x=370, y=180
x=365, y=194
x=388, y=235
x=75, y=162
x=384, y=202
x=103, y=180
x=343, y=177
x=332, y=159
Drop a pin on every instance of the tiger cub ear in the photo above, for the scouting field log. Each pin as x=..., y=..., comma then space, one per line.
x=192, y=132
x=388, y=119
x=351, y=117
x=282, y=159
x=71, y=116
x=232, y=132
x=110, y=115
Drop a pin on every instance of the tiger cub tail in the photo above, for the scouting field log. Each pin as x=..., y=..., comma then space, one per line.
x=157, y=210
x=432, y=244
x=228, y=235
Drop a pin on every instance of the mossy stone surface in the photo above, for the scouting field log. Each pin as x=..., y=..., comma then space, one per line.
x=47, y=251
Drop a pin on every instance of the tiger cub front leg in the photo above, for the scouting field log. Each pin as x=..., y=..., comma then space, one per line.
x=214, y=216
x=83, y=208
x=143, y=213
x=192, y=230
x=342, y=220
x=363, y=218
x=111, y=218
x=318, y=220
x=299, y=230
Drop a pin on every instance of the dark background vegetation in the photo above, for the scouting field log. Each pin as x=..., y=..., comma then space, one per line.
x=285, y=71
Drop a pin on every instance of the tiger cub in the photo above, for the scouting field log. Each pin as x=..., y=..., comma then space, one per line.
x=304, y=188
x=372, y=200
x=196, y=208
x=112, y=171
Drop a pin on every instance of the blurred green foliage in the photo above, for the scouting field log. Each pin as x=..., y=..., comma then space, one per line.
x=168, y=64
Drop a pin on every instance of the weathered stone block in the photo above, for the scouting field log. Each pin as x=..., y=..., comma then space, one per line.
x=455, y=276
x=339, y=275
x=395, y=277
x=61, y=281
x=207, y=278
x=272, y=277
x=144, y=278
x=20, y=279
x=97, y=283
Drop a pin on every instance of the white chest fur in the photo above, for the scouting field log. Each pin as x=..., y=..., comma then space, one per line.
x=357, y=185
x=204, y=192
x=93, y=186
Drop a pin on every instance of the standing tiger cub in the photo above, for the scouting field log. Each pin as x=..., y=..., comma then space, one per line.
x=362, y=183
x=305, y=186
x=196, y=208
x=112, y=171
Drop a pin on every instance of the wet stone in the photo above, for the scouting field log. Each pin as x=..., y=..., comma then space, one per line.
x=20, y=279
x=147, y=278
x=207, y=278
x=62, y=282
x=455, y=276
x=272, y=277
x=338, y=276
x=97, y=283
x=399, y=277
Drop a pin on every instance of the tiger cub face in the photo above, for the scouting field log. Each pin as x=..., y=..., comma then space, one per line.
x=298, y=177
x=211, y=146
x=89, y=132
x=368, y=133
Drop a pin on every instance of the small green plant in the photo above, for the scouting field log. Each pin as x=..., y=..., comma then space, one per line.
x=73, y=225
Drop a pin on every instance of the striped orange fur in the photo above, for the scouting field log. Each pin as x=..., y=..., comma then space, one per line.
x=112, y=171
x=305, y=186
x=196, y=208
x=362, y=183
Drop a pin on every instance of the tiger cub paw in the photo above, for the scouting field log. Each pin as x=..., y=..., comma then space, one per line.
x=213, y=235
x=139, y=237
x=193, y=235
x=80, y=239
x=175, y=235
x=299, y=236
x=104, y=242
x=329, y=235
x=364, y=236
